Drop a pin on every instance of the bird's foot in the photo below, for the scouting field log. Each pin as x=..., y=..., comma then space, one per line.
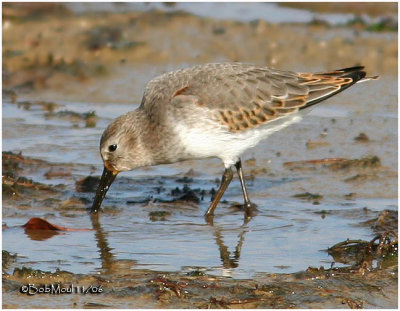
x=250, y=210
x=209, y=219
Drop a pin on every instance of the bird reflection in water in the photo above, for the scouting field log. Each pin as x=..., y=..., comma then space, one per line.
x=106, y=256
x=229, y=261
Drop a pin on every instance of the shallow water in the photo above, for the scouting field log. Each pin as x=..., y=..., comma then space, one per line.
x=287, y=235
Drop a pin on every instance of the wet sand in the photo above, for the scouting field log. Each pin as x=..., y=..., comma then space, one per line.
x=330, y=178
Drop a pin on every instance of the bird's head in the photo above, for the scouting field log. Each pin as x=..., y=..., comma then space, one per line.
x=121, y=150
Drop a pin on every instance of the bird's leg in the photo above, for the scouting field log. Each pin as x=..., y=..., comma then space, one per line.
x=226, y=179
x=248, y=206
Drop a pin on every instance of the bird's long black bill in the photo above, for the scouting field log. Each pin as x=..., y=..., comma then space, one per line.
x=106, y=180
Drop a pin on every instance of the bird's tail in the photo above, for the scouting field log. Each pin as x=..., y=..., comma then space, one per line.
x=340, y=79
x=357, y=73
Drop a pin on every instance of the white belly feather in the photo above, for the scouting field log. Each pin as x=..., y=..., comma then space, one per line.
x=212, y=140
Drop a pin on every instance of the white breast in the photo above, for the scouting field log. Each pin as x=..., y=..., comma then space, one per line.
x=205, y=138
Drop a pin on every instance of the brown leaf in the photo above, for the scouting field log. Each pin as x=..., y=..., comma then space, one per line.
x=41, y=224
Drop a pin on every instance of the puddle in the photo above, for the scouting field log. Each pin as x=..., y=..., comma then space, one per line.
x=277, y=240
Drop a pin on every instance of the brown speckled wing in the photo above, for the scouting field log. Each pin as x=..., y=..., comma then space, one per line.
x=243, y=96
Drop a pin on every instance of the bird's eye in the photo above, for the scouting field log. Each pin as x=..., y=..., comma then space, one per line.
x=112, y=148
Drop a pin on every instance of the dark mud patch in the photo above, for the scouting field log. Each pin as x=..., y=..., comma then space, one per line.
x=111, y=37
x=87, y=184
x=159, y=215
x=161, y=193
x=365, y=163
x=52, y=110
x=386, y=221
x=21, y=12
x=19, y=187
x=89, y=118
x=383, y=249
x=335, y=164
x=315, y=197
x=362, y=138
x=23, y=192
x=7, y=259
x=43, y=105
x=176, y=196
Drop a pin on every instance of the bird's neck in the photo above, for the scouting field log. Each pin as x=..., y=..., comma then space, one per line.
x=158, y=138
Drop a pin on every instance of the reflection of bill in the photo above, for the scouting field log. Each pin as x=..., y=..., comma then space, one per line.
x=57, y=289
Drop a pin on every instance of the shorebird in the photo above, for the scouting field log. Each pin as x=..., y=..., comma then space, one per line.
x=213, y=110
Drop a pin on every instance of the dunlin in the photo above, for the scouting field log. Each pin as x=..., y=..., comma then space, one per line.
x=213, y=110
